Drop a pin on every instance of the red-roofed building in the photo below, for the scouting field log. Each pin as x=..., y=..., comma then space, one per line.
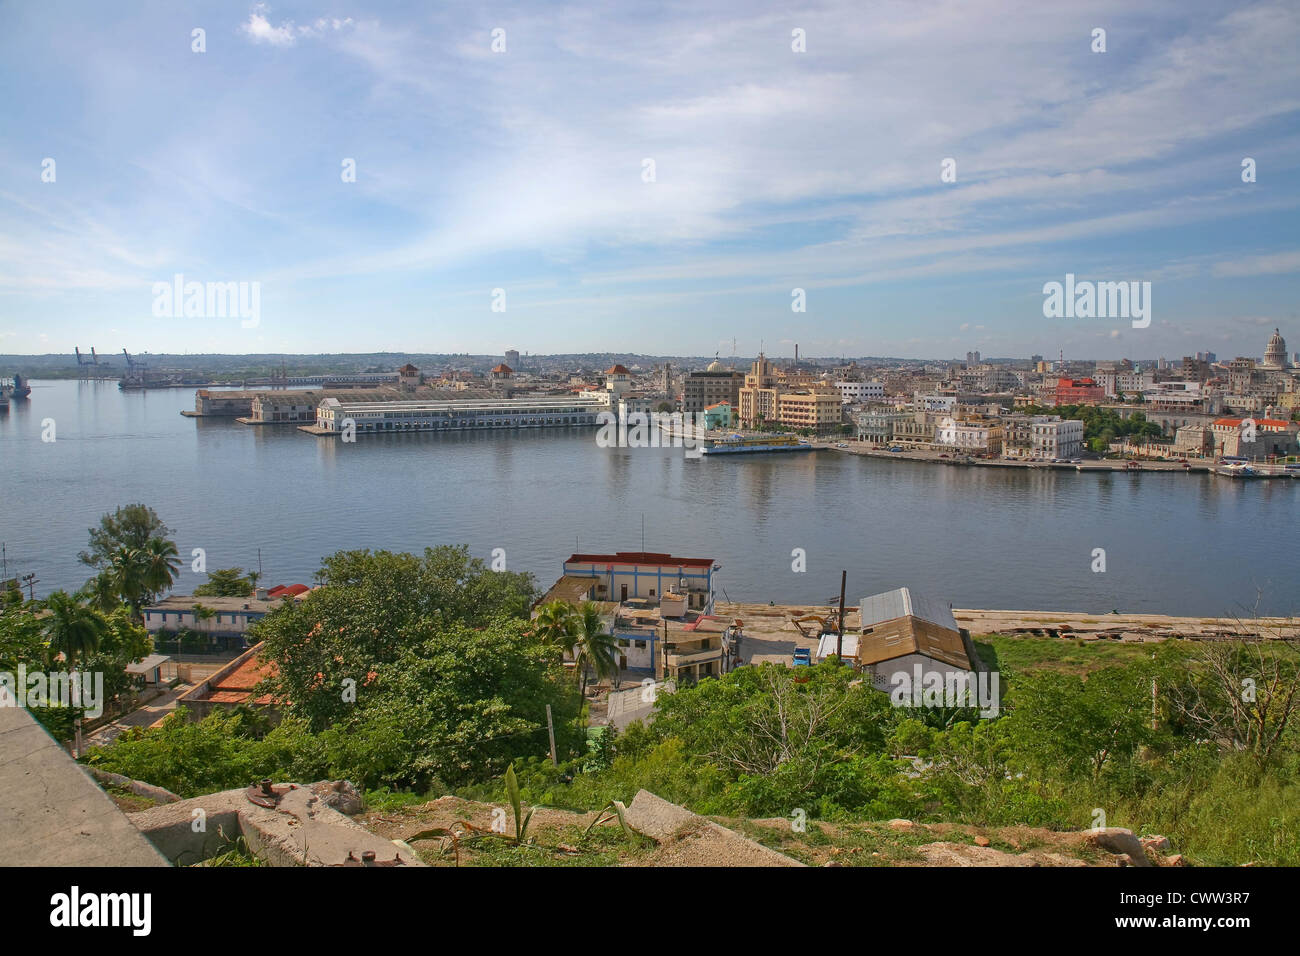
x=1079, y=391
x=287, y=591
x=502, y=373
x=1254, y=438
x=233, y=685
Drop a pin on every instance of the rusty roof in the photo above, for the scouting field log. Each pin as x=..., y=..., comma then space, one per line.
x=912, y=635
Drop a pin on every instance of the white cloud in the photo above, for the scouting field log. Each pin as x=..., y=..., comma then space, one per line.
x=258, y=27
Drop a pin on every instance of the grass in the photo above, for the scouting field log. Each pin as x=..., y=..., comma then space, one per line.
x=1027, y=655
x=549, y=845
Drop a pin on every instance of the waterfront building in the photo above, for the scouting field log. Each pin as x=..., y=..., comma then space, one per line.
x=713, y=385
x=970, y=436
x=221, y=621
x=657, y=606
x=1057, y=438
x=224, y=404
x=817, y=409
x=344, y=380
x=1194, y=440
x=764, y=400
x=644, y=574
x=877, y=425
x=1271, y=436
x=757, y=396
x=333, y=415
x=720, y=415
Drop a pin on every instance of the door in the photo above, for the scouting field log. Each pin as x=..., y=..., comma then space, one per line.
x=624, y=597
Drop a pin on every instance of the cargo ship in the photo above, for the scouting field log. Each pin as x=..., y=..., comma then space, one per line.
x=738, y=445
x=15, y=388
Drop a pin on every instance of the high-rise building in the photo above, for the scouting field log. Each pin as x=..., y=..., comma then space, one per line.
x=512, y=359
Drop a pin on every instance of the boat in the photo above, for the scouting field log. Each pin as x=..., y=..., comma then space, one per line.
x=1237, y=469
x=16, y=387
x=737, y=445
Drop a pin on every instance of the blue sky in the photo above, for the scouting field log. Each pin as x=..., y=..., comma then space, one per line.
x=774, y=170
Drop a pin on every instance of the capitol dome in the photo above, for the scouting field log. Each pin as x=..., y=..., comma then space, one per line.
x=1275, y=354
x=715, y=366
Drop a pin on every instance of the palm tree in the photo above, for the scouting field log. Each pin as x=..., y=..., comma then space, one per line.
x=594, y=648
x=555, y=624
x=73, y=629
x=160, y=561
x=122, y=580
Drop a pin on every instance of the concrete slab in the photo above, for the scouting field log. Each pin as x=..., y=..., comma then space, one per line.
x=51, y=812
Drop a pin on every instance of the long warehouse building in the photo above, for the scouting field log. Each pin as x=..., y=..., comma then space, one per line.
x=332, y=415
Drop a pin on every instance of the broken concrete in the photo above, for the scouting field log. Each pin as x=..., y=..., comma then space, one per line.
x=687, y=839
x=301, y=830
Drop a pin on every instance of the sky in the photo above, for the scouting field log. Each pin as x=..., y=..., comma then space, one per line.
x=653, y=178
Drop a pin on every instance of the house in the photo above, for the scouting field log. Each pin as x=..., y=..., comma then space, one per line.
x=719, y=415
x=912, y=639
x=221, y=622
x=659, y=608
x=644, y=574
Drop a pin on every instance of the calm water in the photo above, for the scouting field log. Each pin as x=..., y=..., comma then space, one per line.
x=1177, y=543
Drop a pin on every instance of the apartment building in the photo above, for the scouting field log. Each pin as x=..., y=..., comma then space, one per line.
x=712, y=386
x=970, y=436
x=856, y=393
x=1057, y=438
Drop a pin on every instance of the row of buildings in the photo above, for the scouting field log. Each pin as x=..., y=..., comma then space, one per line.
x=976, y=407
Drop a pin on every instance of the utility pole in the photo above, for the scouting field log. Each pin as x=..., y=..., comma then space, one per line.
x=839, y=640
x=550, y=730
x=31, y=581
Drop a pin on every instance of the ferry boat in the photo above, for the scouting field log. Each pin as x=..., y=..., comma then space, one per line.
x=738, y=445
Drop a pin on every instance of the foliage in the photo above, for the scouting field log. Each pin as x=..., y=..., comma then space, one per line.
x=126, y=529
x=225, y=582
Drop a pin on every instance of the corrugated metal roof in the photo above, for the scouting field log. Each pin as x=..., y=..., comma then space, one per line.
x=902, y=602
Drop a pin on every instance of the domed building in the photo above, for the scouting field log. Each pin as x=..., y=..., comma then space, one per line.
x=1275, y=353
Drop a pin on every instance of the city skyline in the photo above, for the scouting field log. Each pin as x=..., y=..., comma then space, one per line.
x=774, y=170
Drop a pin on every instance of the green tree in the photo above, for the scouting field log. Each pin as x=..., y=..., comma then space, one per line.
x=1076, y=728
x=226, y=582
x=160, y=562
x=555, y=624
x=129, y=527
x=72, y=629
